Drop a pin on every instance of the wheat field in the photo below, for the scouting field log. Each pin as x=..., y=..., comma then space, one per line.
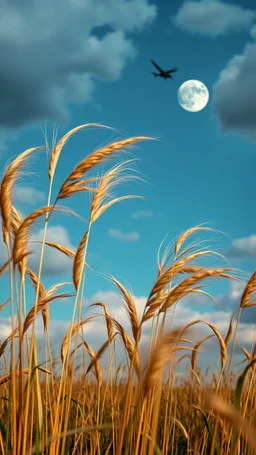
x=139, y=407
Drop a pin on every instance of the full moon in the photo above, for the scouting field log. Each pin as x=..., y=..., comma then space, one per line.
x=193, y=96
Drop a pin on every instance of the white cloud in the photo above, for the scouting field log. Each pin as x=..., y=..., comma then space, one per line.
x=5, y=327
x=184, y=313
x=231, y=300
x=236, y=290
x=244, y=247
x=57, y=328
x=213, y=17
x=54, y=263
x=234, y=94
x=95, y=332
x=122, y=236
x=142, y=214
x=27, y=195
x=115, y=305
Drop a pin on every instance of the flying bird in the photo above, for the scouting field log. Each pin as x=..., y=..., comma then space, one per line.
x=164, y=74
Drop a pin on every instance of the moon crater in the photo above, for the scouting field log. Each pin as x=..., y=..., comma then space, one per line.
x=193, y=95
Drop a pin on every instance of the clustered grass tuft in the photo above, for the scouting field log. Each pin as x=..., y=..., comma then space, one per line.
x=140, y=406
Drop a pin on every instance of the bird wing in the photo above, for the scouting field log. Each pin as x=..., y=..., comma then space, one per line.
x=172, y=70
x=157, y=66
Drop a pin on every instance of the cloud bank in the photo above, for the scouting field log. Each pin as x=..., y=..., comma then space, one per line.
x=55, y=263
x=213, y=17
x=95, y=332
x=234, y=94
x=52, y=55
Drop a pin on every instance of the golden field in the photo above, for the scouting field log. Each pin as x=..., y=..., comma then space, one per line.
x=83, y=410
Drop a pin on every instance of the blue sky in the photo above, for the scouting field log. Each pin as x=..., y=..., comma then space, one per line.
x=93, y=65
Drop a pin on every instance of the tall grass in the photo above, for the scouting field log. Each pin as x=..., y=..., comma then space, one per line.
x=147, y=411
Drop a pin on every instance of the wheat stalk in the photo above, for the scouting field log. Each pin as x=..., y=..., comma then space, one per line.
x=57, y=150
x=21, y=237
x=195, y=350
x=232, y=416
x=10, y=176
x=159, y=359
x=107, y=318
x=97, y=158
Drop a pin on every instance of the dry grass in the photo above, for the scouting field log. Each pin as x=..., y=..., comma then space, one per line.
x=89, y=404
